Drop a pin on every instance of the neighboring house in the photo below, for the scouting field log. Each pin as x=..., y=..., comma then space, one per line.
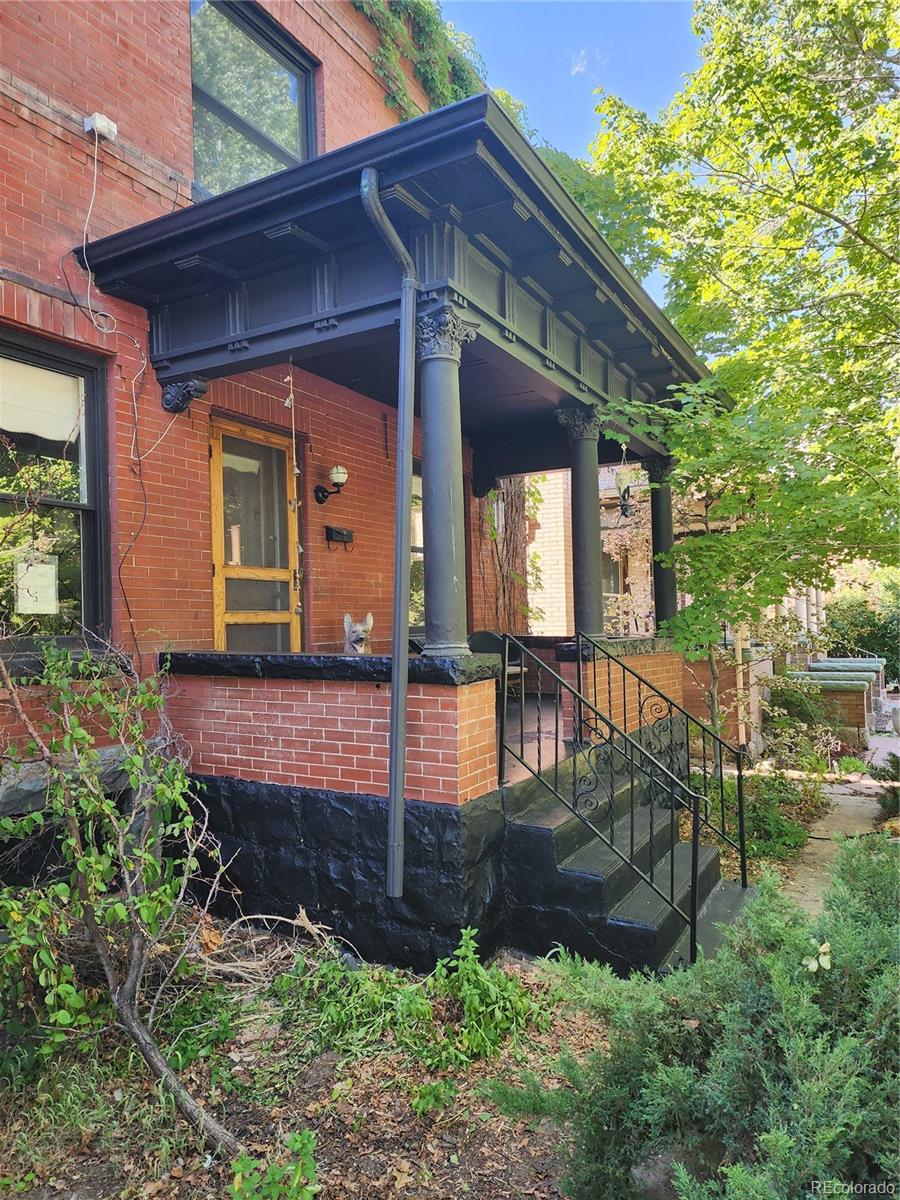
x=203, y=432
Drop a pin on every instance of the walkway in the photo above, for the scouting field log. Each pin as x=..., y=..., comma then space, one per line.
x=855, y=810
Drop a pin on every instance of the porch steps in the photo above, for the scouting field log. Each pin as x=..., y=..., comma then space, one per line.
x=720, y=909
x=566, y=885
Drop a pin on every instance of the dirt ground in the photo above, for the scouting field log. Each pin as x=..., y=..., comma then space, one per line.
x=369, y=1142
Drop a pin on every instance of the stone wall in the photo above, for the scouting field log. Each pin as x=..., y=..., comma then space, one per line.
x=327, y=851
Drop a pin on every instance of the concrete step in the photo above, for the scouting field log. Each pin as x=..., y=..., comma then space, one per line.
x=721, y=908
x=631, y=839
x=645, y=921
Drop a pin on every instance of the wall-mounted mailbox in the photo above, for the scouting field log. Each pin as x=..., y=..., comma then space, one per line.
x=342, y=536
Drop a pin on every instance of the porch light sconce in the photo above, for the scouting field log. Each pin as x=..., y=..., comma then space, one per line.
x=338, y=476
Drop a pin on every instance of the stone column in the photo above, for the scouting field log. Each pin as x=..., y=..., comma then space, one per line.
x=665, y=586
x=820, y=607
x=583, y=427
x=812, y=612
x=440, y=336
x=800, y=608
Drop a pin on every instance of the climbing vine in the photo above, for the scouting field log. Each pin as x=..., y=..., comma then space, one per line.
x=444, y=61
x=509, y=574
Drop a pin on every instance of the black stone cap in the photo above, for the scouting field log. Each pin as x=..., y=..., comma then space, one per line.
x=620, y=647
x=367, y=668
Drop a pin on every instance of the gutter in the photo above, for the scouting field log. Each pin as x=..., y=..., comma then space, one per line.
x=406, y=391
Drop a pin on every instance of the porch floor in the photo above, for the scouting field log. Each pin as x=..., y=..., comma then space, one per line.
x=535, y=732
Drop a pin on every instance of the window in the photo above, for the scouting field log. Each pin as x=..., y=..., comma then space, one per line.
x=417, y=556
x=253, y=96
x=53, y=567
x=613, y=574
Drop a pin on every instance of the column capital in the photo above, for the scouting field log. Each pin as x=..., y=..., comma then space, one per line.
x=442, y=334
x=658, y=468
x=583, y=423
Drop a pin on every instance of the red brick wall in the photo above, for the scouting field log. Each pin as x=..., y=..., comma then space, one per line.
x=696, y=680
x=131, y=60
x=168, y=575
x=613, y=692
x=327, y=734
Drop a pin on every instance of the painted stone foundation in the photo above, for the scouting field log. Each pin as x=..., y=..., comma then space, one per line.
x=326, y=851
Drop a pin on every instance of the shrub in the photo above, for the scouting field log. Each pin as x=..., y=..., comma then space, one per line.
x=463, y=1011
x=856, y=622
x=755, y=1072
x=889, y=772
x=775, y=808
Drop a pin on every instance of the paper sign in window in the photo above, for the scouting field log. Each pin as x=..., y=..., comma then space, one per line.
x=37, y=586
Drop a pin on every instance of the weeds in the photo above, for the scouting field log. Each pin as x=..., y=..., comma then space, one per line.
x=291, y=1178
x=462, y=1012
x=849, y=764
x=430, y=1098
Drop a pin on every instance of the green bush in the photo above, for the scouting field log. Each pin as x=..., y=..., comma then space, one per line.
x=771, y=806
x=889, y=772
x=856, y=623
x=757, y=1073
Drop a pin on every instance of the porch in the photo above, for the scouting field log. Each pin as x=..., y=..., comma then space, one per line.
x=273, y=313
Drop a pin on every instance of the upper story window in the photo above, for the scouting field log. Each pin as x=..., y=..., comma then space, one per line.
x=253, y=96
x=53, y=554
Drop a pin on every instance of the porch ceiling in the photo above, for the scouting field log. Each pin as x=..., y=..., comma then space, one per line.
x=291, y=265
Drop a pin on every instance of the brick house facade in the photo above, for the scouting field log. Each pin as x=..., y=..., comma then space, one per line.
x=258, y=326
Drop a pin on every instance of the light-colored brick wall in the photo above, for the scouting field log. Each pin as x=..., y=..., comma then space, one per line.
x=553, y=545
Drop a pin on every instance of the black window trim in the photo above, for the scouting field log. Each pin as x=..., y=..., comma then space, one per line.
x=252, y=19
x=96, y=599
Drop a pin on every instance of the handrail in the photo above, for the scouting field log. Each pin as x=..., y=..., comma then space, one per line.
x=665, y=744
x=592, y=641
x=585, y=787
x=856, y=652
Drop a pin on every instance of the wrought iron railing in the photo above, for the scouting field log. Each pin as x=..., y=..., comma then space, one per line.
x=843, y=650
x=602, y=775
x=687, y=746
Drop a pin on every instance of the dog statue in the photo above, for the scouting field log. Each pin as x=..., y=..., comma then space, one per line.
x=356, y=634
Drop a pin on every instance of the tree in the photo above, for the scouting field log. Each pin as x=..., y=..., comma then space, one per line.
x=100, y=934
x=768, y=188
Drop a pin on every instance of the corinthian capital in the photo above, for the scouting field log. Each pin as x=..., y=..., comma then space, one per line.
x=658, y=468
x=443, y=334
x=584, y=422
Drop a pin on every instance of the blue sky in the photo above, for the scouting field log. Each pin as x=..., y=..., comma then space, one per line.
x=551, y=54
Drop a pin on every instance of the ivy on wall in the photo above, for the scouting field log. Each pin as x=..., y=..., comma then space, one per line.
x=444, y=61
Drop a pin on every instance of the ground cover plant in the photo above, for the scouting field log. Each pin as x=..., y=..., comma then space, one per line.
x=778, y=812
x=335, y=1074
x=773, y=1065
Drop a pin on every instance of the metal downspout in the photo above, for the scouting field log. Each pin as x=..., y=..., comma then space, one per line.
x=406, y=390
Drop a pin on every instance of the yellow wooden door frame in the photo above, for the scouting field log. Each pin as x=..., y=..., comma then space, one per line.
x=222, y=571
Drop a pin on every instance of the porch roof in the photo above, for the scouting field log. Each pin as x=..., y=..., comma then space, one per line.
x=290, y=265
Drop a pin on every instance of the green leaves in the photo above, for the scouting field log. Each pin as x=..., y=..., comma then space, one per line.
x=767, y=194
x=115, y=872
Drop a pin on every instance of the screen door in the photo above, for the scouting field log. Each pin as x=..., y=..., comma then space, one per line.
x=256, y=583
